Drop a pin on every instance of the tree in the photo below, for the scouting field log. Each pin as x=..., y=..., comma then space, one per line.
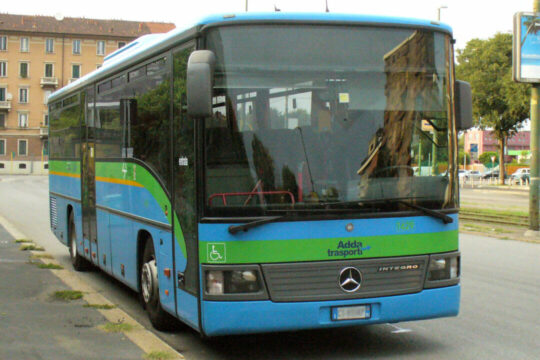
x=498, y=102
x=485, y=158
x=467, y=156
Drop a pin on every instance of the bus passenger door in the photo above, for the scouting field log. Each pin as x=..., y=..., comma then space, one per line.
x=89, y=202
x=185, y=225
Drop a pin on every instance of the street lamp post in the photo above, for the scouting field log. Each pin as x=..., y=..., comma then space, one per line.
x=534, y=191
x=439, y=11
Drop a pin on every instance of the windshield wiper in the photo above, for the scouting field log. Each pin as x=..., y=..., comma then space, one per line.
x=233, y=229
x=436, y=214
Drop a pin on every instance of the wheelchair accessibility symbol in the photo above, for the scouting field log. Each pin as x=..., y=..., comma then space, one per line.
x=215, y=252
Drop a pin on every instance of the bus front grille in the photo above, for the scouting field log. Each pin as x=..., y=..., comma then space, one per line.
x=319, y=281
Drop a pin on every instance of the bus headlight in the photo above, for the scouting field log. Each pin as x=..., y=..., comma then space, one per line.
x=233, y=282
x=443, y=270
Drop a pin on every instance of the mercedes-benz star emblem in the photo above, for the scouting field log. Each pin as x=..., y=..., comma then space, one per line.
x=350, y=279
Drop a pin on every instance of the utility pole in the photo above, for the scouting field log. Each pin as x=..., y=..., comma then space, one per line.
x=535, y=141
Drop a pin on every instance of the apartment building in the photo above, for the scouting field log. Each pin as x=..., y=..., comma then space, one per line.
x=39, y=55
x=477, y=142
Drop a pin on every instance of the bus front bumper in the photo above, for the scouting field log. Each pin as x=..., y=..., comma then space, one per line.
x=241, y=317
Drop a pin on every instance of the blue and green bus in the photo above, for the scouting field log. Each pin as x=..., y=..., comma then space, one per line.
x=268, y=172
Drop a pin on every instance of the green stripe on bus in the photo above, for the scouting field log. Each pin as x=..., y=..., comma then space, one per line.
x=64, y=166
x=137, y=173
x=272, y=251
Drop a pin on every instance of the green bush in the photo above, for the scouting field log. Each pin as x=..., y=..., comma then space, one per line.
x=485, y=158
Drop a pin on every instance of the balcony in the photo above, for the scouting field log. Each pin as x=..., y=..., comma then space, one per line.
x=44, y=132
x=5, y=105
x=49, y=81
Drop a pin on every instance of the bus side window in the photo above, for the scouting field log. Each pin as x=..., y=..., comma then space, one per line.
x=128, y=116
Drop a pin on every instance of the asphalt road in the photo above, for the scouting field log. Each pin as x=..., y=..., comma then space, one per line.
x=499, y=316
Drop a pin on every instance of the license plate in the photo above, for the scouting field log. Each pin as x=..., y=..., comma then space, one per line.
x=351, y=312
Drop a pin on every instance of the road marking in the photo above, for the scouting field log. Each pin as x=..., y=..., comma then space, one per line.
x=398, y=330
x=146, y=340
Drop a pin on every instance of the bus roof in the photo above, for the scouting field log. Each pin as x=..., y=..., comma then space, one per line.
x=150, y=45
x=324, y=17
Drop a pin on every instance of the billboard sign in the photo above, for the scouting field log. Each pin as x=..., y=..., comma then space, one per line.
x=526, y=47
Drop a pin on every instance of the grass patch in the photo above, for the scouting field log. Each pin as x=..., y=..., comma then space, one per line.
x=100, y=306
x=29, y=247
x=41, y=256
x=496, y=212
x=117, y=327
x=68, y=295
x=20, y=241
x=49, y=266
x=159, y=355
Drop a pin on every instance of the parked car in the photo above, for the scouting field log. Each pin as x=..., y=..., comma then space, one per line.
x=521, y=175
x=462, y=174
x=473, y=175
x=492, y=174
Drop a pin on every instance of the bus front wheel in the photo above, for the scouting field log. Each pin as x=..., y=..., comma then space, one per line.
x=149, y=294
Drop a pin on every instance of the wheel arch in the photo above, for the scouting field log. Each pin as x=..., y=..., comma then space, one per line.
x=69, y=212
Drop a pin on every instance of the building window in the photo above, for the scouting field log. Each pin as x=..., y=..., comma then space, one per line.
x=3, y=68
x=3, y=94
x=49, y=46
x=46, y=147
x=3, y=43
x=75, y=71
x=46, y=95
x=2, y=120
x=101, y=47
x=23, y=120
x=24, y=44
x=45, y=119
x=23, y=147
x=23, y=95
x=121, y=44
x=23, y=69
x=76, y=47
x=2, y=147
x=49, y=70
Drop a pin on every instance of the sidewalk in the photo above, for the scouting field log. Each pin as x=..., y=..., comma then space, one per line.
x=36, y=325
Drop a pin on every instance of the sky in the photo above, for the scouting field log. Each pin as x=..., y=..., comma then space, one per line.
x=468, y=18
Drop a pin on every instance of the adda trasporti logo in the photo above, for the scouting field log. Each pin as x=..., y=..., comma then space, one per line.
x=348, y=248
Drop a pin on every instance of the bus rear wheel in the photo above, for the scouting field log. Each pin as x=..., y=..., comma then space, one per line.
x=149, y=294
x=79, y=263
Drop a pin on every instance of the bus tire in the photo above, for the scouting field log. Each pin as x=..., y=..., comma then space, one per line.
x=149, y=294
x=79, y=263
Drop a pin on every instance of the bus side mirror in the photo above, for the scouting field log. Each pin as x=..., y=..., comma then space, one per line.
x=200, y=75
x=464, y=115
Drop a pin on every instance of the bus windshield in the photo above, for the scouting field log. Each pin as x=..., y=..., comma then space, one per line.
x=329, y=118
